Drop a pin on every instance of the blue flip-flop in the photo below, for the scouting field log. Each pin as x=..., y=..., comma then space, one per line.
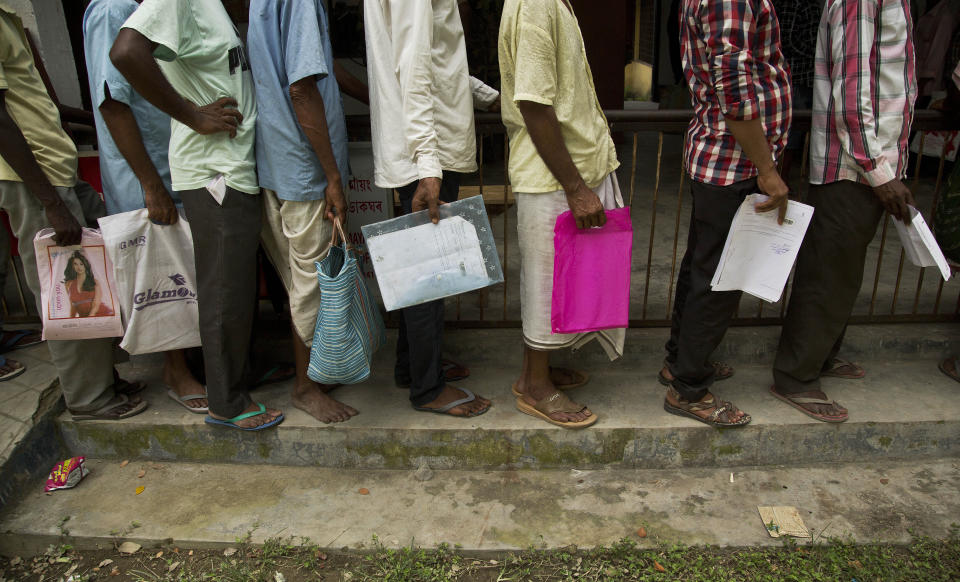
x=232, y=422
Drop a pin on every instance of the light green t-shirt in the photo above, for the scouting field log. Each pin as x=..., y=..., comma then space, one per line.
x=31, y=107
x=542, y=59
x=202, y=56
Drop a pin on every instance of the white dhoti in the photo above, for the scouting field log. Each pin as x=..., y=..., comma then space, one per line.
x=295, y=235
x=536, y=216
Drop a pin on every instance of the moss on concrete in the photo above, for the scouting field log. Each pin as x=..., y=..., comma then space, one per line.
x=177, y=442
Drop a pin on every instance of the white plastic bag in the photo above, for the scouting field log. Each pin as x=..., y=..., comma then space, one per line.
x=78, y=293
x=156, y=281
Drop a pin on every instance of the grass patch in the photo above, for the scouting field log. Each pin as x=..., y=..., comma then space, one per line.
x=297, y=560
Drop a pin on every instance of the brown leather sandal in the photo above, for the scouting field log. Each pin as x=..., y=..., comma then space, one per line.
x=556, y=402
x=689, y=410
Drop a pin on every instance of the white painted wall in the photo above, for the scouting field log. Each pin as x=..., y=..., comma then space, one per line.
x=45, y=20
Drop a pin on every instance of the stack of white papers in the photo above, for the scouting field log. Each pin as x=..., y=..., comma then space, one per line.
x=919, y=245
x=759, y=253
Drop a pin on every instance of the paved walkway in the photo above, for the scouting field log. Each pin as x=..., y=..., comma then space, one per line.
x=23, y=397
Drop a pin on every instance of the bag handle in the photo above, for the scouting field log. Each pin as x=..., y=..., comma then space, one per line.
x=337, y=229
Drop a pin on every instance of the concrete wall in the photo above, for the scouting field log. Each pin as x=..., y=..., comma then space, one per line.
x=45, y=19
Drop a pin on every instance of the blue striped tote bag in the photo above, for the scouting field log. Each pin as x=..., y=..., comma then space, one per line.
x=349, y=327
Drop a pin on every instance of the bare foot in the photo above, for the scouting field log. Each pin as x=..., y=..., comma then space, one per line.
x=269, y=415
x=450, y=394
x=561, y=377
x=314, y=401
x=183, y=383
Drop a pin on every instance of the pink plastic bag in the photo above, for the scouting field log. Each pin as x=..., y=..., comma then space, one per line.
x=591, y=274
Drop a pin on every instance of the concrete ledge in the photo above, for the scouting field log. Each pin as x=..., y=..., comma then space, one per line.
x=902, y=409
x=480, y=511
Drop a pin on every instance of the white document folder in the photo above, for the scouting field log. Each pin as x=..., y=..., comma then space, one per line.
x=919, y=244
x=759, y=253
x=417, y=261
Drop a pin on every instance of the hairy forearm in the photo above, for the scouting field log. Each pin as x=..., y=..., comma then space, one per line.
x=544, y=128
x=17, y=153
x=753, y=142
x=126, y=134
x=311, y=115
x=132, y=54
x=351, y=85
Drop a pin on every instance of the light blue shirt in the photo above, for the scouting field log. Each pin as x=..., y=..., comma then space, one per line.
x=289, y=40
x=121, y=189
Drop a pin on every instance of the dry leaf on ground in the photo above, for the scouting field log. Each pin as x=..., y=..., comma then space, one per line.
x=658, y=567
x=129, y=548
x=364, y=491
x=642, y=532
x=124, y=463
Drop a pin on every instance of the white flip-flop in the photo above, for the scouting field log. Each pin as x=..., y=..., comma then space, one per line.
x=182, y=401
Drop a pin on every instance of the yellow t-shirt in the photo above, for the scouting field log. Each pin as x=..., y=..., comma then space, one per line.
x=31, y=107
x=542, y=59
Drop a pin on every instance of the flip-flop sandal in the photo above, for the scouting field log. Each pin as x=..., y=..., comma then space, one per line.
x=126, y=388
x=450, y=369
x=446, y=366
x=719, y=406
x=232, y=422
x=18, y=369
x=13, y=342
x=113, y=410
x=955, y=374
x=266, y=378
x=837, y=364
x=798, y=401
x=718, y=375
x=446, y=408
x=584, y=375
x=182, y=401
x=556, y=402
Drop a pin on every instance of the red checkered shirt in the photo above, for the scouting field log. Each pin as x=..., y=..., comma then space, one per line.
x=735, y=68
x=863, y=92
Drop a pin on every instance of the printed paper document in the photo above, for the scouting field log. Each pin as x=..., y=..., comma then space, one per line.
x=759, y=253
x=427, y=262
x=919, y=245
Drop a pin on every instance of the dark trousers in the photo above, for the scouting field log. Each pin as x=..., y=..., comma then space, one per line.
x=421, y=328
x=826, y=283
x=701, y=316
x=225, y=240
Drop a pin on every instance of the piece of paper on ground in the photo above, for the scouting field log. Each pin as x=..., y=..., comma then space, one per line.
x=783, y=520
x=759, y=253
x=919, y=244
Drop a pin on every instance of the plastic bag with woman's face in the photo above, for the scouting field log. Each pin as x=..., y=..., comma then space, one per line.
x=78, y=292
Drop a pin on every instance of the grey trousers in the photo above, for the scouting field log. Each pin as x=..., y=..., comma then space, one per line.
x=826, y=283
x=225, y=240
x=85, y=366
x=701, y=316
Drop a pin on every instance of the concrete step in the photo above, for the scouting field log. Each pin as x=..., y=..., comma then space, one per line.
x=214, y=505
x=904, y=408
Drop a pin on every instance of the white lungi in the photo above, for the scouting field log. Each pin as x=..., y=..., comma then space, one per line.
x=536, y=217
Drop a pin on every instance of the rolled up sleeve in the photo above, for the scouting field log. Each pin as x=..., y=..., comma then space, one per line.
x=728, y=28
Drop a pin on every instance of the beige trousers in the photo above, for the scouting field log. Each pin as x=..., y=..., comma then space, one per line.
x=295, y=236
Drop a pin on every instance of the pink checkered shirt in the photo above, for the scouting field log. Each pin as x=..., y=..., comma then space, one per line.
x=863, y=92
x=735, y=68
